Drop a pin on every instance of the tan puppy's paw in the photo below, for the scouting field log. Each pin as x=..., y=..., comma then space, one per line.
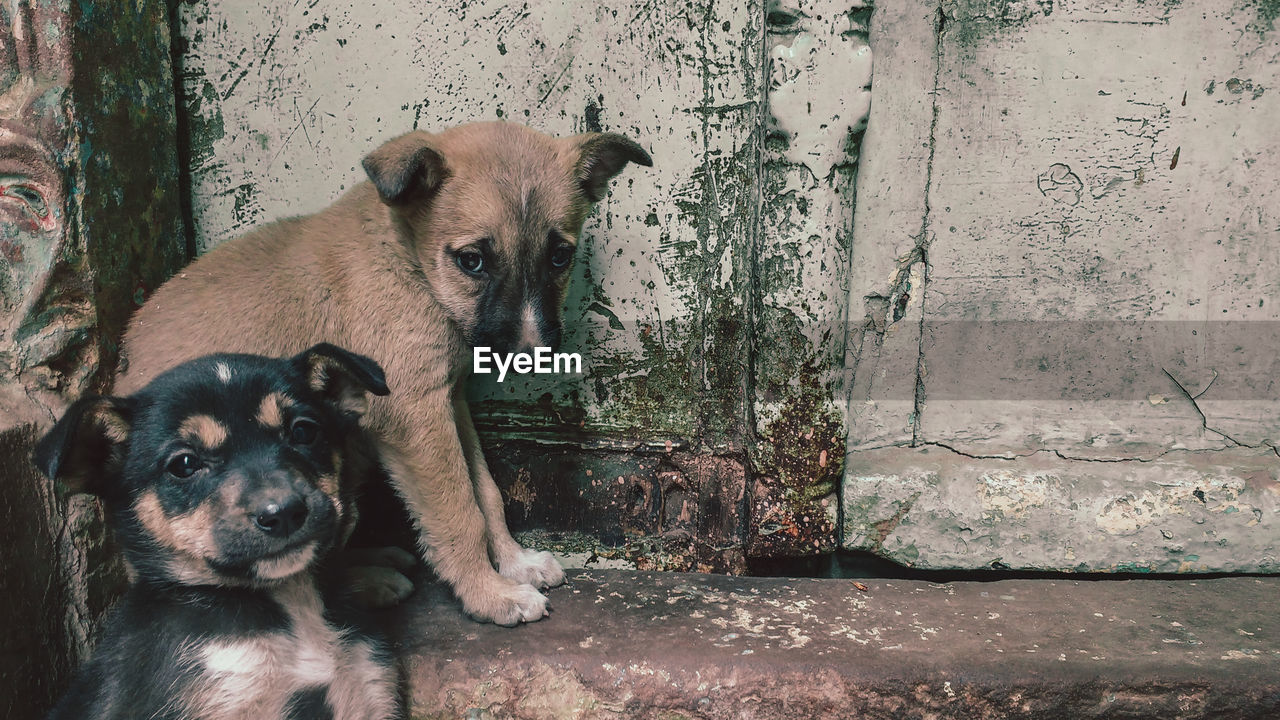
x=534, y=567
x=511, y=605
x=372, y=587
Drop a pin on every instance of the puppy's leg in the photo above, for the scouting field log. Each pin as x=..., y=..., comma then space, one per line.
x=429, y=471
x=374, y=586
x=374, y=577
x=518, y=563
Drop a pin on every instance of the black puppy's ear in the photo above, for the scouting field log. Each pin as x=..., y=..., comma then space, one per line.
x=603, y=155
x=342, y=377
x=405, y=167
x=88, y=444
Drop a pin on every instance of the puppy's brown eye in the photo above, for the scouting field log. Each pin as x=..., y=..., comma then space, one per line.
x=183, y=465
x=562, y=256
x=471, y=262
x=303, y=432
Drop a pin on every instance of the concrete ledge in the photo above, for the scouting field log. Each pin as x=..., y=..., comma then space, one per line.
x=664, y=646
x=1182, y=511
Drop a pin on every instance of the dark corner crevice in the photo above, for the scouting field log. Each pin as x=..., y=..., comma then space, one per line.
x=177, y=50
x=857, y=564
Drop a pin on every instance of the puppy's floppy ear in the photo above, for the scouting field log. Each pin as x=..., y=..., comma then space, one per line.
x=603, y=155
x=404, y=167
x=88, y=444
x=342, y=377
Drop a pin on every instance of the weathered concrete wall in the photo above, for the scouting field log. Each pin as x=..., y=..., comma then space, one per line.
x=1064, y=246
x=90, y=219
x=1059, y=205
x=725, y=246
x=286, y=98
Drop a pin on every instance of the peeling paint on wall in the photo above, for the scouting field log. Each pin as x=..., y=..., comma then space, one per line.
x=46, y=340
x=675, y=277
x=818, y=78
x=289, y=98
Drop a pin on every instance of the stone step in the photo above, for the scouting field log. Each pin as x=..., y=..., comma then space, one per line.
x=665, y=646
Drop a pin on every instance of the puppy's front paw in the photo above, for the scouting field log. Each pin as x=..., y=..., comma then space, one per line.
x=511, y=605
x=533, y=567
x=373, y=587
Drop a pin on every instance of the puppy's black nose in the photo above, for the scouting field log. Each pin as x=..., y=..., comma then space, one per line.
x=282, y=517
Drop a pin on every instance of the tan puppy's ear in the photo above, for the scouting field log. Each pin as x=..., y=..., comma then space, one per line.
x=342, y=377
x=603, y=155
x=88, y=445
x=405, y=167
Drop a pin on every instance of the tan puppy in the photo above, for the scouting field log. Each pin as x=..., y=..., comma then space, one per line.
x=462, y=238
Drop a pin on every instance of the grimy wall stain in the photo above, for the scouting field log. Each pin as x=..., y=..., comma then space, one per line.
x=818, y=99
x=1064, y=360
x=89, y=221
x=1006, y=357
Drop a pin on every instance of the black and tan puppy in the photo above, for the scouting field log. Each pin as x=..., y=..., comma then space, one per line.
x=462, y=238
x=228, y=481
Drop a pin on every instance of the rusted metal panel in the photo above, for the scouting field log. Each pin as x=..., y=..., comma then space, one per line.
x=1095, y=219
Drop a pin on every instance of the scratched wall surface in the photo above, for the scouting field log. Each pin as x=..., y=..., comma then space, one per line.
x=667, y=306
x=1064, y=248
x=999, y=360
x=285, y=98
x=819, y=70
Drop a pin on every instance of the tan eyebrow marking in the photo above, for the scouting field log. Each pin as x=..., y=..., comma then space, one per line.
x=271, y=410
x=205, y=430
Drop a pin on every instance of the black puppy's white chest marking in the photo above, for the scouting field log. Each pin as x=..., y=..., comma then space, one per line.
x=264, y=676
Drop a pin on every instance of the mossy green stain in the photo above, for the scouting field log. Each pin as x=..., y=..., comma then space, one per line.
x=1268, y=11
